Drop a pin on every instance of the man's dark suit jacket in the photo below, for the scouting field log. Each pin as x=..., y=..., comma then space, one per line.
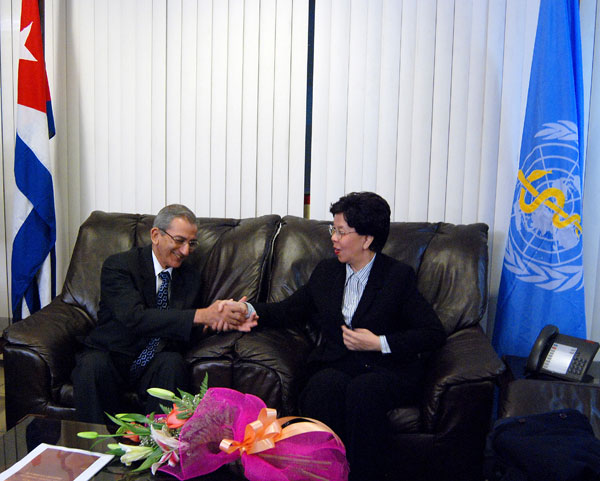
x=390, y=305
x=128, y=316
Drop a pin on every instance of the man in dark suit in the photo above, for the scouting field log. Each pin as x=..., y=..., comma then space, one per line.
x=149, y=304
x=375, y=328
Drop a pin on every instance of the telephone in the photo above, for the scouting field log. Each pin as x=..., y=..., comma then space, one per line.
x=561, y=356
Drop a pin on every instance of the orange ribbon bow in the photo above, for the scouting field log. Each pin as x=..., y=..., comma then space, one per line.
x=263, y=433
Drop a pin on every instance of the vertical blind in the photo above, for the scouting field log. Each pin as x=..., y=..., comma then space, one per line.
x=203, y=102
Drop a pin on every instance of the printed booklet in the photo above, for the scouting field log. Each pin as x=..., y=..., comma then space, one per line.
x=56, y=463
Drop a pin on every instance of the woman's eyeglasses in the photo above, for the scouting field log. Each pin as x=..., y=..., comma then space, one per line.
x=340, y=233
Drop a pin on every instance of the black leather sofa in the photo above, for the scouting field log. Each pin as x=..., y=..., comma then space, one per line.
x=267, y=258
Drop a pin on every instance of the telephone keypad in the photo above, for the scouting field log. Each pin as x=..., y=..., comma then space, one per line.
x=577, y=365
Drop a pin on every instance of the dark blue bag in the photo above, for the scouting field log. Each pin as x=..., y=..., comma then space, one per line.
x=555, y=446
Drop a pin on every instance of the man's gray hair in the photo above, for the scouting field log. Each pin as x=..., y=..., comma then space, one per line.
x=166, y=215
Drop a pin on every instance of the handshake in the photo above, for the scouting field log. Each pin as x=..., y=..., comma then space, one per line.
x=226, y=315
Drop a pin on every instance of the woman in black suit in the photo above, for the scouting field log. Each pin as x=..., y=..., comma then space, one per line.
x=375, y=327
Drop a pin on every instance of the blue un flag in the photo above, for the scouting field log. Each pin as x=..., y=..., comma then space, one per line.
x=542, y=275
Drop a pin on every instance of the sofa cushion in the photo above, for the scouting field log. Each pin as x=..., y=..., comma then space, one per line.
x=233, y=254
x=300, y=245
x=237, y=265
x=452, y=275
x=212, y=355
x=101, y=235
x=439, y=253
x=408, y=241
x=271, y=364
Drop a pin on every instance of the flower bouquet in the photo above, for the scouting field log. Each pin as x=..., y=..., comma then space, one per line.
x=218, y=426
x=153, y=438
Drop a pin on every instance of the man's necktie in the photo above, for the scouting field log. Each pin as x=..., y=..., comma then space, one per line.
x=162, y=302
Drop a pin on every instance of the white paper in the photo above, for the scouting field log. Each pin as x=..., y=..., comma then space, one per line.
x=57, y=463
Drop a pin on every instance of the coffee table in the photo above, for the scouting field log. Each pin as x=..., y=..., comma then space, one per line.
x=33, y=430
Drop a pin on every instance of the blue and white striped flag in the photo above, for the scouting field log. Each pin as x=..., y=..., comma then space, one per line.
x=32, y=266
x=542, y=275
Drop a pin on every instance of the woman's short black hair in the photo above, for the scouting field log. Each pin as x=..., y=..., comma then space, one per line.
x=368, y=213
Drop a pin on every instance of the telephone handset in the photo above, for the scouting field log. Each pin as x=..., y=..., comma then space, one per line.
x=561, y=356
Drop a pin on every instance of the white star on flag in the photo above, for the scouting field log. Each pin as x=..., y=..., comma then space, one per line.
x=25, y=53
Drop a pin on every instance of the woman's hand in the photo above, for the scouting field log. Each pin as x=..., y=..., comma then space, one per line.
x=226, y=315
x=360, y=339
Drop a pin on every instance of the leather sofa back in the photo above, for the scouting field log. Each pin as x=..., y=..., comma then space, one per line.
x=233, y=254
x=450, y=262
x=101, y=235
x=268, y=258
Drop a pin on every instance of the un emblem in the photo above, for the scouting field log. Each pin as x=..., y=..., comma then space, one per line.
x=544, y=243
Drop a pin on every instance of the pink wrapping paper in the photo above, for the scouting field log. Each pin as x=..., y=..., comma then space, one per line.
x=224, y=414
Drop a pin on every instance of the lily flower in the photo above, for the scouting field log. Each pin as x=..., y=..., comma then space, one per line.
x=165, y=441
x=134, y=453
x=160, y=393
x=171, y=457
x=134, y=437
x=169, y=446
x=173, y=422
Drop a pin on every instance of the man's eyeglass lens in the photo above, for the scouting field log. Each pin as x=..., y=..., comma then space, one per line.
x=179, y=241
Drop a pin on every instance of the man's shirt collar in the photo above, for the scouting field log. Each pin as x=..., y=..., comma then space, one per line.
x=158, y=268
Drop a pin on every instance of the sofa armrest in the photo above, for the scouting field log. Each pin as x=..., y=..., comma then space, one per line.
x=457, y=371
x=52, y=335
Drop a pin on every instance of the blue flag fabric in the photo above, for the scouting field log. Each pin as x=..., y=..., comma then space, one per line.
x=32, y=264
x=542, y=274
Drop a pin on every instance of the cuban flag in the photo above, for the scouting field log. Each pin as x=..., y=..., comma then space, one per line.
x=542, y=274
x=32, y=265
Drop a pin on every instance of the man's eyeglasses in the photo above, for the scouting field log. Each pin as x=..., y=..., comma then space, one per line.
x=340, y=233
x=180, y=241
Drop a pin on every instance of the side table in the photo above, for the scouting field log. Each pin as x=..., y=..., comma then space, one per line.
x=515, y=369
x=523, y=396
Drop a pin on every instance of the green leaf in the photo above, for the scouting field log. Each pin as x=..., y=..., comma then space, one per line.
x=98, y=441
x=137, y=429
x=203, y=386
x=150, y=460
x=184, y=414
x=187, y=399
x=183, y=408
x=138, y=418
x=184, y=394
x=116, y=452
x=128, y=417
x=116, y=420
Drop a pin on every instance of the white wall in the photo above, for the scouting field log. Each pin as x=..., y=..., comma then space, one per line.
x=203, y=102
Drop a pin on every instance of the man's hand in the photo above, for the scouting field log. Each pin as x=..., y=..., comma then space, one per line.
x=221, y=315
x=226, y=315
x=360, y=339
x=247, y=323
